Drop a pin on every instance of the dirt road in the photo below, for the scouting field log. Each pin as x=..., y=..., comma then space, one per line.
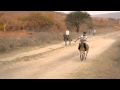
x=60, y=62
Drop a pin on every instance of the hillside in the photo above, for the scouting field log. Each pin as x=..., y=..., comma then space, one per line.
x=16, y=19
x=109, y=15
x=14, y=14
x=59, y=18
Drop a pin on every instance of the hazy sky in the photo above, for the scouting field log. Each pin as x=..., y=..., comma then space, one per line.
x=94, y=12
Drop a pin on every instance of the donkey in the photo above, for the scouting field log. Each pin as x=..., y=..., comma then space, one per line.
x=67, y=39
x=83, y=53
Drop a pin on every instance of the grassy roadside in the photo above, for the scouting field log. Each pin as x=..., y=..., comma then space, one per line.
x=25, y=40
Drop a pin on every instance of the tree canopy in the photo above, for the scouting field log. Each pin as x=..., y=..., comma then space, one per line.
x=77, y=18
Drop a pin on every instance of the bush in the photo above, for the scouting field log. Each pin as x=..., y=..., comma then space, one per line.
x=2, y=49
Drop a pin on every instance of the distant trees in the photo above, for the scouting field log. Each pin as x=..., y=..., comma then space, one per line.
x=52, y=21
x=77, y=18
x=89, y=23
x=37, y=21
x=1, y=24
x=21, y=22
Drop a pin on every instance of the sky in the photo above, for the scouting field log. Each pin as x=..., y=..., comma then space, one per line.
x=93, y=12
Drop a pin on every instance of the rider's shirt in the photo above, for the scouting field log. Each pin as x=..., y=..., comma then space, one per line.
x=94, y=31
x=67, y=32
x=83, y=37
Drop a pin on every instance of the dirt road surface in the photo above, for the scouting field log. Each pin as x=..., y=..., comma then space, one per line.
x=62, y=62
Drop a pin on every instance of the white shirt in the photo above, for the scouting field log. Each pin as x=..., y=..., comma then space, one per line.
x=84, y=37
x=67, y=32
x=94, y=31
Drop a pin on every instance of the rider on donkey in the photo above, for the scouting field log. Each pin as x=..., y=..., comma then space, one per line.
x=82, y=37
x=67, y=33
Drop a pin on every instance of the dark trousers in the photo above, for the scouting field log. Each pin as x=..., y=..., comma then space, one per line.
x=84, y=46
x=67, y=37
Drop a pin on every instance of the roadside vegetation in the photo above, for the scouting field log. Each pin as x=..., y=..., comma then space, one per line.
x=29, y=28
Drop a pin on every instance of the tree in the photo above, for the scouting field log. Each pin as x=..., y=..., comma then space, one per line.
x=4, y=26
x=22, y=22
x=3, y=21
x=77, y=18
x=90, y=25
x=38, y=20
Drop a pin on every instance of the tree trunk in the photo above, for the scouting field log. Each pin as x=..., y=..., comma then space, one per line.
x=4, y=27
x=77, y=28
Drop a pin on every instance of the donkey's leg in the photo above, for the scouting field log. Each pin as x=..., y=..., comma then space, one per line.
x=86, y=54
x=81, y=55
x=69, y=42
x=65, y=42
x=87, y=50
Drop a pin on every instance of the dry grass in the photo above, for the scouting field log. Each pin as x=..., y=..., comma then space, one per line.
x=18, y=39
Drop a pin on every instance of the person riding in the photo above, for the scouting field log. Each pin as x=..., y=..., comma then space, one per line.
x=67, y=33
x=84, y=36
x=94, y=31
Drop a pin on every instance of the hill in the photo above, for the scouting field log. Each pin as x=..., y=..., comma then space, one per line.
x=109, y=15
